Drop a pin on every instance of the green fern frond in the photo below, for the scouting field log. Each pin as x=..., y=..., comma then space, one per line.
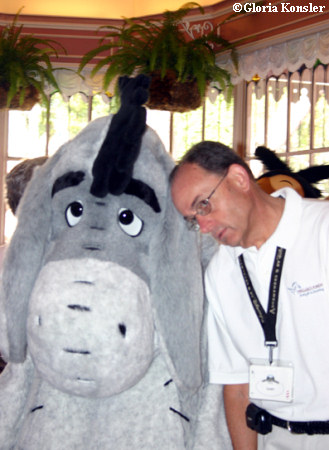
x=147, y=45
x=25, y=60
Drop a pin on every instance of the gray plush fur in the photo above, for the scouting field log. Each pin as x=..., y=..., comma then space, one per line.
x=103, y=331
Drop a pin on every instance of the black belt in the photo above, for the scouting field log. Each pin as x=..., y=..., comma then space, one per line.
x=314, y=427
x=261, y=421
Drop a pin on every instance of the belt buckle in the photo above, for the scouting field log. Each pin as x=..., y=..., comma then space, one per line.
x=289, y=427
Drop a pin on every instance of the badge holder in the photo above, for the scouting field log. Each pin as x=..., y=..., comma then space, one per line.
x=271, y=380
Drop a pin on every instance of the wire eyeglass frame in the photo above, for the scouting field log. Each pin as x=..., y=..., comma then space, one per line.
x=203, y=208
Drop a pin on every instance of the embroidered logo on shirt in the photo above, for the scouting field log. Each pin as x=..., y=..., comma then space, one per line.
x=297, y=289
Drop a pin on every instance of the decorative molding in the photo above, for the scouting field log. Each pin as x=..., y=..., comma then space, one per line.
x=197, y=29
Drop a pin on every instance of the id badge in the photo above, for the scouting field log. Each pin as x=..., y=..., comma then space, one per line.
x=271, y=382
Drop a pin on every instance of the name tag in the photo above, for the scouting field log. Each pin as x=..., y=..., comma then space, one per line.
x=271, y=382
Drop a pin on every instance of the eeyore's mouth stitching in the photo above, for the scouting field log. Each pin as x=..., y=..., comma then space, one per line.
x=79, y=308
x=93, y=249
x=79, y=352
x=85, y=380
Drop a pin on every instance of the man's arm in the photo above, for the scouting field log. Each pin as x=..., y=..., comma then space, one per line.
x=236, y=401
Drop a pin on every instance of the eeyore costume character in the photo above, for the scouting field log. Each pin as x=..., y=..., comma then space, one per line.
x=102, y=300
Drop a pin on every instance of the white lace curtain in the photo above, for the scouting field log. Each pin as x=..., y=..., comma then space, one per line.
x=273, y=60
x=71, y=83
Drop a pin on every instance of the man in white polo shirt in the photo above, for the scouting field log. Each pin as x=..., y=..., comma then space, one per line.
x=268, y=292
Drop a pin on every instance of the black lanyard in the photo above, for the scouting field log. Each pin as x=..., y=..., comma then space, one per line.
x=267, y=319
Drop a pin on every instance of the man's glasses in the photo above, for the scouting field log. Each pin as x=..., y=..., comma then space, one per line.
x=202, y=208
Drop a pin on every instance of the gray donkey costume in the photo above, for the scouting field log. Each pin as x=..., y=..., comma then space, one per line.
x=102, y=301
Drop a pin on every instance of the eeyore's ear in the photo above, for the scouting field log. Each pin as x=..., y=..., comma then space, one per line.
x=177, y=289
x=24, y=258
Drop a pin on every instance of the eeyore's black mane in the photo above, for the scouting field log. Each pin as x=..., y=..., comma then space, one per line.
x=113, y=166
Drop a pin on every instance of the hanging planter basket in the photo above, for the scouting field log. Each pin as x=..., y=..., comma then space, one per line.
x=171, y=95
x=155, y=46
x=31, y=98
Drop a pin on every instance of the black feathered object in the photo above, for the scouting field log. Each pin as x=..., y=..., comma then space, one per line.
x=113, y=166
x=305, y=177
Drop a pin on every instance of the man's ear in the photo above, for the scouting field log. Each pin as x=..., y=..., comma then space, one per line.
x=239, y=177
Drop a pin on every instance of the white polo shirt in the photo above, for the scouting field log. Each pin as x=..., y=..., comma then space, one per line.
x=302, y=329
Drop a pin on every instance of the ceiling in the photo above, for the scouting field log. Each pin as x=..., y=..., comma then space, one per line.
x=110, y=9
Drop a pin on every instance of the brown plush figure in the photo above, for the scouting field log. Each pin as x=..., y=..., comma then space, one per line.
x=279, y=175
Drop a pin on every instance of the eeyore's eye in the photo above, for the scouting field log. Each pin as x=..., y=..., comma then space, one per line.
x=130, y=222
x=73, y=213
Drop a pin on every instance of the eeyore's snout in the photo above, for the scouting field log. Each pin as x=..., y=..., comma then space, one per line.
x=109, y=301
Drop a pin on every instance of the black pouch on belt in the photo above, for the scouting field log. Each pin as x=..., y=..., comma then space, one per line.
x=258, y=419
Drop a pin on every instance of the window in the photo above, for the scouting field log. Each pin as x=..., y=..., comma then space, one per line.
x=213, y=121
x=290, y=115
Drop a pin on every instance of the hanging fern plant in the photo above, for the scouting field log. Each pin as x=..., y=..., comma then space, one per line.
x=25, y=66
x=162, y=50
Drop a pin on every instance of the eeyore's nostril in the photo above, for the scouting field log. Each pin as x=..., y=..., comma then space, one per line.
x=92, y=248
x=94, y=227
x=122, y=329
x=36, y=408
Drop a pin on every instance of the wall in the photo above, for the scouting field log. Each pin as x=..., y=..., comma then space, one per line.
x=96, y=8
x=78, y=35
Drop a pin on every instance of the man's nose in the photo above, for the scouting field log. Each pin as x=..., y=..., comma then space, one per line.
x=205, y=223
